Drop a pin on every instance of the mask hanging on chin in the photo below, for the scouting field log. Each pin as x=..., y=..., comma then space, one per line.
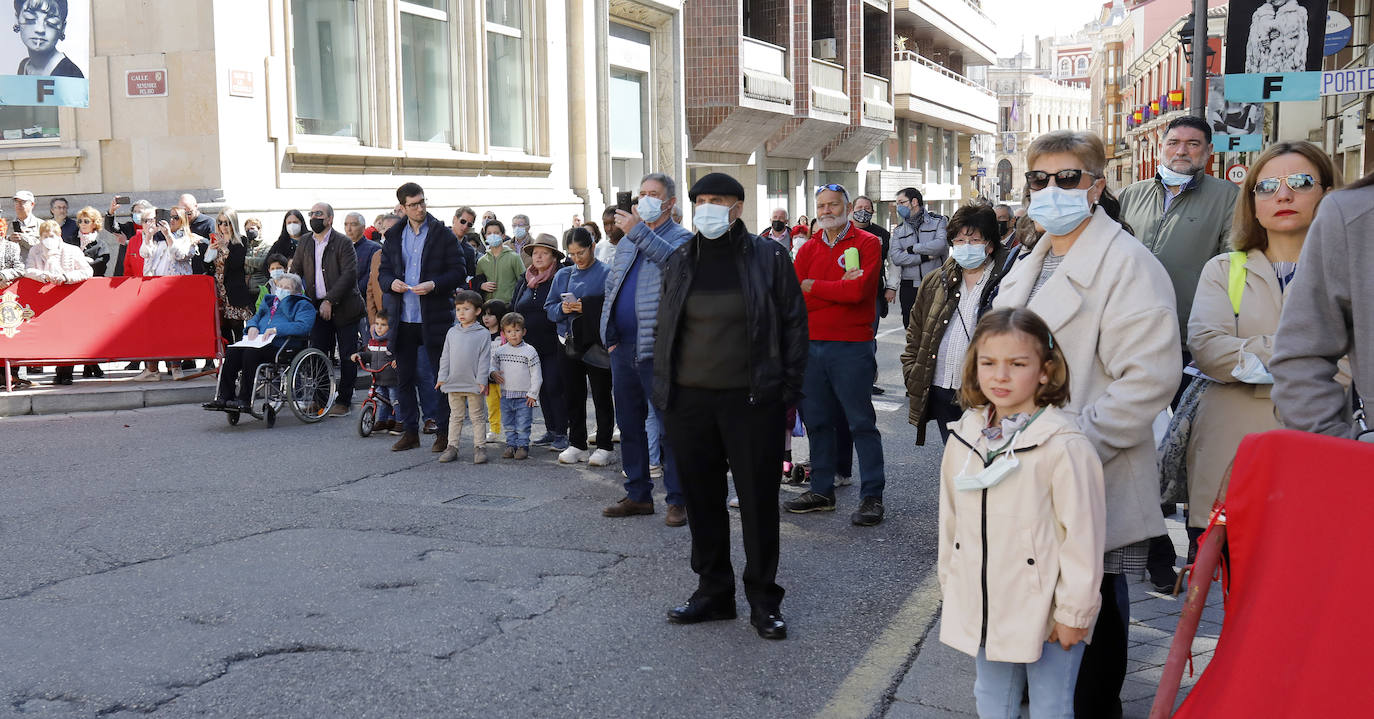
x=1171, y=178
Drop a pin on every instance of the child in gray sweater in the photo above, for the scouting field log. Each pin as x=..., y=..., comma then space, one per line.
x=462, y=375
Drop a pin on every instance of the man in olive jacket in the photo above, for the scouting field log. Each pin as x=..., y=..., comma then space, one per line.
x=329, y=270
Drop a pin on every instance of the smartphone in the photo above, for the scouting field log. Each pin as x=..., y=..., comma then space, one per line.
x=622, y=201
x=568, y=297
x=121, y=199
x=163, y=215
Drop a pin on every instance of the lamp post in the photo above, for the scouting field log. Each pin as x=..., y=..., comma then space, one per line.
x=1194, y=28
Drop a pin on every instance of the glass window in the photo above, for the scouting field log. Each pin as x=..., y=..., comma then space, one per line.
x=931, y=158
x=28, y=123
x=426, y=99
x=507, y=81
x=894, y=151
x=329, y=95
x=628, y=153
x=779, y=192
x=951, y=158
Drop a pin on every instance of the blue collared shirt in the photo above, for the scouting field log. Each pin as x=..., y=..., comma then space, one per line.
x=412, y=247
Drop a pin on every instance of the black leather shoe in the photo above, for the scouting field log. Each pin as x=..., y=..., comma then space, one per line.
x=702, y=610
x=770, y=625
x=216, y=404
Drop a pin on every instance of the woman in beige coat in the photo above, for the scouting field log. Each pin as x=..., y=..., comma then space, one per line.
x=1111, y=307
x=1232, y=344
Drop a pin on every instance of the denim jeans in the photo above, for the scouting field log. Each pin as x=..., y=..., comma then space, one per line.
x=997, y=690
x=517, y=415
x=838, y=389
x=631, y=387
x=430, y=399
x=384, y=411
x=415, y=377
x=654, y=428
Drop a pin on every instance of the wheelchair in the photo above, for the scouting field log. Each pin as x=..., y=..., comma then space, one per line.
x=299, y=377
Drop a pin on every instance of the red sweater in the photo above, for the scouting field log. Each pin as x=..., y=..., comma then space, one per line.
x=840, y=310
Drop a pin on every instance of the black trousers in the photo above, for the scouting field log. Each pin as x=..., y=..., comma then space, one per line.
x=576, y=376
x=906, y=294
x=323, y=337
x=1103, y=671
x=710, y=432
x=240, y=366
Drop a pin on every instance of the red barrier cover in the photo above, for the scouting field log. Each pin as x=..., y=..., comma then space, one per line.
x=1297, y=633
x=110, y=318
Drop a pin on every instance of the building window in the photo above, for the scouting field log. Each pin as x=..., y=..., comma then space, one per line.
x=894, y=148
x=426, y=75
x=932, y=154
x=1082, y=66
x=508, y=73
x=1065, y=67
x=629, y=99
x=951, y=158
x=28, y=123
x=779, y=192
x=328, y=72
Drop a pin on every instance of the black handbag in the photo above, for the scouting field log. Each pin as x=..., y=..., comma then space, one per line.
x=583, y=341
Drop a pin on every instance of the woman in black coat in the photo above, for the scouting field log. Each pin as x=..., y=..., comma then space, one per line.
x=228, y=254
x=293, y=228
x=544, y=260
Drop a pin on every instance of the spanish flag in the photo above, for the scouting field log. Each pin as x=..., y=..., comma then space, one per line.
x=1176, y=97
x=1154, y=107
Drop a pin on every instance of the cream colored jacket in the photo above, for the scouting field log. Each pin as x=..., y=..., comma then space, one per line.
x=1026, y=552
x=1110, y=306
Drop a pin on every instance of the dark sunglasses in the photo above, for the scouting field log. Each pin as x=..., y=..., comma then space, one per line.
x=1297, y=182
x=1067, y=179
x=224, y=223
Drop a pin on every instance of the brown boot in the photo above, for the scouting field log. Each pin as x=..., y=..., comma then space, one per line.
x=676, y=516
x=409, y=440
x=509, y=453
x=440, y=443
x=522, y=452
x=627, y=508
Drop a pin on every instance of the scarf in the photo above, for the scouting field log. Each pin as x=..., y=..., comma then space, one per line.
x=533, y=279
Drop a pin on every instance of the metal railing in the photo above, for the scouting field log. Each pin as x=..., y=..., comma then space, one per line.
x=909, y=56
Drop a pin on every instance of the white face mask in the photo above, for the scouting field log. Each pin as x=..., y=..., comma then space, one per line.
x=650, y=208
x=51, y=243
x=987, y=477
x=293, y=228
x=1171, y=178
x=1251, y=370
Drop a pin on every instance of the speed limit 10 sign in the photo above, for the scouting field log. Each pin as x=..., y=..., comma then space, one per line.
x=1236, y=173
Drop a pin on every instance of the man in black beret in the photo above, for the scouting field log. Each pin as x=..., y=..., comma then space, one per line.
x=731, y=344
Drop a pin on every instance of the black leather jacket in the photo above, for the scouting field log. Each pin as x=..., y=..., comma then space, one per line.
x=776, y=314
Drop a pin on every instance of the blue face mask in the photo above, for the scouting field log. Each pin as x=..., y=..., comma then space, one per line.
x=1171, y=178
x=712, y=220
x=282, y=293
x=1059, y=211
x=904, y=211
x=650, y=208
x=970, y=256
x=520, y=232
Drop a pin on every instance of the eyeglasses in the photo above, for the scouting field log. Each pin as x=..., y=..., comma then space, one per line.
x=417, y=203
x=223, y=223
x=1067, y=179
x=1297, y=182
x=962, y=239
x=84, y=221
x=465, y=223
x=317, y=213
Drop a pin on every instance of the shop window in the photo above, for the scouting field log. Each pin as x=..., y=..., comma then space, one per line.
x=28, y=123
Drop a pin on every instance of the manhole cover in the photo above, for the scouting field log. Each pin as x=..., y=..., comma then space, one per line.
x=483, y=500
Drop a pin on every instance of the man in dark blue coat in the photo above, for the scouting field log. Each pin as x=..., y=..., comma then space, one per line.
x=421, y=268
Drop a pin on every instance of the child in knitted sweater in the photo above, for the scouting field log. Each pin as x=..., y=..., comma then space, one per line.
x=515, y=366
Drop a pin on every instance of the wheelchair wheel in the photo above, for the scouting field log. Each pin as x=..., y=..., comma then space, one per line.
x=267, y=392
x=367, y=419
x=309, y=385
x=233, y=418
x=269, y=416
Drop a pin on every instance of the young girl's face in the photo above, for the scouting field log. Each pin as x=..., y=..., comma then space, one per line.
x=1010, y=370
x=490, y=322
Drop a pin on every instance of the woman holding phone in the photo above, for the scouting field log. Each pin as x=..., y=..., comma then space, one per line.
x=574, y=304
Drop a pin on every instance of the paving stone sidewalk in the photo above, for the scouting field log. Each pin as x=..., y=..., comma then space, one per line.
x=939, y=684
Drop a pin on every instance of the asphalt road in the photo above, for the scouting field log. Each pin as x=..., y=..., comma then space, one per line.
x=161, y=562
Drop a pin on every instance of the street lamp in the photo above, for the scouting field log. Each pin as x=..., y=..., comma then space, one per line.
x=1185, y=38
x=1196, y=29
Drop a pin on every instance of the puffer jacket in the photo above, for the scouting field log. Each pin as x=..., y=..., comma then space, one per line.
x=657, y=245
x=774, y=306
x=919, y=246
x=1027, y=552
x=936, y=302
x=292, y=316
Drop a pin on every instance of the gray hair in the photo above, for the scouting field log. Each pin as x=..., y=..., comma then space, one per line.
x=141, y=204
x=526, y=218
x=147, y=210
x=358, y=216
x=669, y=187
x=295, y=279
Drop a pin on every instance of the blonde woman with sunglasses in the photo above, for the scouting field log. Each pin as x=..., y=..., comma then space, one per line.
x=1236, y=313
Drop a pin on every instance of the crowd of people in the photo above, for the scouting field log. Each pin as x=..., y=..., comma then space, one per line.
x=1046, y=343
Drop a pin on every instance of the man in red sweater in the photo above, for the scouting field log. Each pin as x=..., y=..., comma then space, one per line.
x=841, y=362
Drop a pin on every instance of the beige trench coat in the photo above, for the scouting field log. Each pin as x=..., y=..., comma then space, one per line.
x=1110, y=306
x=1043, y=530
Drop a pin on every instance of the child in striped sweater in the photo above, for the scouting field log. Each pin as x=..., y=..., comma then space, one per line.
x=515, y=366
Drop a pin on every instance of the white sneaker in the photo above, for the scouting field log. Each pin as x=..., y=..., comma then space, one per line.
x=493, y=437
x=655, y=471
x=177, y=374
x=148, y=376
x=573, y=455
x=733, y=503
x=615, y=436
x=599, y=458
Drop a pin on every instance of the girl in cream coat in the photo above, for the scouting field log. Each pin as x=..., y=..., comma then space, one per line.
x=1021, y=521
x=1270, y=227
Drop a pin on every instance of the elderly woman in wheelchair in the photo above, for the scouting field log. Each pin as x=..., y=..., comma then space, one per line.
x=286, y=318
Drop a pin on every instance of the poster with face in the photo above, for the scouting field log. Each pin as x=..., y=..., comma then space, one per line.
x=45, y=52
x=1236, y=126
x=1277, y=36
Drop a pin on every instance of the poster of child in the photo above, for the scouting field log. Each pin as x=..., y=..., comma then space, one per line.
x=49, y=38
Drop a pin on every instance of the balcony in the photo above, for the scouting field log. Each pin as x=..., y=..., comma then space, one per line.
x=765, y=71
x=827, y=90
x=958, y=24
x=929, y=93
x=877, y=100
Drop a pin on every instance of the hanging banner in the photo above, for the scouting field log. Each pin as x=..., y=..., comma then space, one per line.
x=45, y=53
x=1282, y=58
x=1236, y=126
